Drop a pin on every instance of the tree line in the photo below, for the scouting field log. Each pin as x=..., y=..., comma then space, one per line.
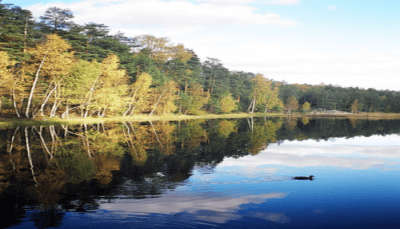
x=56, y=68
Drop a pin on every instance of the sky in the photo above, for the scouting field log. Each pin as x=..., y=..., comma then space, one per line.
x=340, y=42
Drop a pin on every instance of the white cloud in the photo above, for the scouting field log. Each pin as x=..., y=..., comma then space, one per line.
x=173, y=14
x=266, y=2
x=332, y=8
x=224, y=2
x=282, y=2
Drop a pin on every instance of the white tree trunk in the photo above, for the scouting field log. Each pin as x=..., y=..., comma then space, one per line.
x=15, y=104
x=55, y=104
x=46, y=100
x=156, y=104
x=28, y=106
x=91, y=90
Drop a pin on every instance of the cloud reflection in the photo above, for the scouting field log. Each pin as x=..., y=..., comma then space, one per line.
x=355, y=153
x=213, y=208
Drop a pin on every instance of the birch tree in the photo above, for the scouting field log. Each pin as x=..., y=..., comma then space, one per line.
x=51, y=59
x=111, y=88
x=139, y=94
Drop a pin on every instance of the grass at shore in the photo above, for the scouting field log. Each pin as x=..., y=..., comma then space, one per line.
x=176, y=117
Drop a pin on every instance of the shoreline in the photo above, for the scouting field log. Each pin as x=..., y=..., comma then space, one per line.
x=176, y=117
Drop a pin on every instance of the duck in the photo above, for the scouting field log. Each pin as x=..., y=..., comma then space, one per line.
x=311, y=177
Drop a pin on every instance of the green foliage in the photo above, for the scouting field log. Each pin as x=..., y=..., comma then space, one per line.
x=292, y=104
x=226, y=128
x=140, y=94
x=57, y=19
x=264, y=95
x=77, y=85
x=111, y=87
x=194, y=100
x=354, y=106
x=227, y=104
x=17, y=31
x=306, y=107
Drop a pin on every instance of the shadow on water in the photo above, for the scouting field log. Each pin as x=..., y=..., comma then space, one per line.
x=47, y=171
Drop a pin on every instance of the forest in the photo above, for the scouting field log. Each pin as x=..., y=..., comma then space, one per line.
x=53, y=67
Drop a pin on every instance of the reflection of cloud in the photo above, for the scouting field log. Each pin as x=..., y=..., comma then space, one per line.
x=250, y=171
x=355, y=153
x=215, y=209
x=273, y=217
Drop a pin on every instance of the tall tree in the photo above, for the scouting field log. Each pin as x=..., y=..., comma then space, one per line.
x=77, y=86
x=194, y=99
x=158, y=48
x=139, y=94
x=263, y=95
x=292, y=104
x=164, y=99
x=306, y=107
x=227, y=104
x=52, y=59
x=57, y=19
x=6, y=76
x=16, y=31
x=354, y=106
x=112, y=87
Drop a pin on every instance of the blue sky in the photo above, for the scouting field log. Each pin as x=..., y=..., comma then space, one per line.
x=340, y=42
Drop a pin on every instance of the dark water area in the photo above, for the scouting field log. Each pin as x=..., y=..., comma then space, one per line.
x=202, y=174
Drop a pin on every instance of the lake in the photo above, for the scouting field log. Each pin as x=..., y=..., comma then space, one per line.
x=244, y=173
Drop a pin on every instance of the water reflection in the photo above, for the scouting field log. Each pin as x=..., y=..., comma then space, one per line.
x=354, y=153
x=197, y=171
x=214, y=208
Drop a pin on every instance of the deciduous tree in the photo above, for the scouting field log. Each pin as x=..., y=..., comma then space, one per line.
x=306, y=107
x=139, y=94
x=227, y=104
x=53, y=60
x=292, y=104
x=354, y=106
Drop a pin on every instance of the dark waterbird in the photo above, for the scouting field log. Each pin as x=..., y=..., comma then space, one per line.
x=311, y=177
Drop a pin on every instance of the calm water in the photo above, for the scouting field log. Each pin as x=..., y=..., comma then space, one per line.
x=202, y=174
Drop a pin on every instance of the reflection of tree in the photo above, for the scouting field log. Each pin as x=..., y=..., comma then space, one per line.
x=106, y=141
x=305, y=120
x=226, y=127
x=291, y=123
x=165, y=132
x=191, y=134
x=353, y=122
x=263, y=134
x=76, y=165
x=137, y=139
x=105, y=165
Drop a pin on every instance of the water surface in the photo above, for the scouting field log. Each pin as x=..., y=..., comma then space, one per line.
x=202, y=174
